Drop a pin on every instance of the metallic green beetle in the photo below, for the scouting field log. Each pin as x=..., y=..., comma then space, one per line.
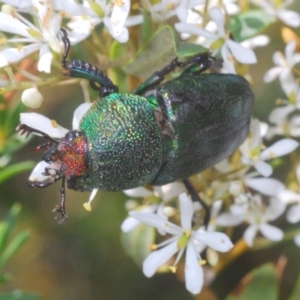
x=160, y=133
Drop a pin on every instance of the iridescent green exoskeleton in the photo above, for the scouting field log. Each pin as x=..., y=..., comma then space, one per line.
x=159, y=133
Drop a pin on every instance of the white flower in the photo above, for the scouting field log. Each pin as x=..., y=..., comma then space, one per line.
x=278, y=9
x=291, y=197
x=184, y=238
x=165, y=192
x=284, y=67
x=258, y=216
x=282, y=124
x=114, y=15
x=220, y=40
x=254, y=156
x=40, y=38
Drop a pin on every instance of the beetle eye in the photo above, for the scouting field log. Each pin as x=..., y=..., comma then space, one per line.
x=71, y=135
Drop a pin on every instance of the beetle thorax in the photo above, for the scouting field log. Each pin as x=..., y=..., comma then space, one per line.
x=68, y=157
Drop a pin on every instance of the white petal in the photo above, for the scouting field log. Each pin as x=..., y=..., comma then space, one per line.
x=118, y=16
x=241, y=54
x=289, y=17
x=266, y=186
x=13, y=55
x=278, y=114
x=186, y=211
x=218, y=17
x=13, y=25
x=193, y=271
x=194, y=30
x=129, y=224
x=158, y=258
x=227, y=219
x=138, y=192
x=272, y=74
x=271, y=232
x=288, y=197
x=79, y=113
x=293, y=214
x=279, y=148
x=216, y=240
x=44, y=64
x=122, y=36
x=40, y=122
x=156, y=221
x=169, y=191
x=250, y=234
x=36, y=174
x=227, y=59
x=263, y=168
x=297, y=240
x=274, y=210
x=257, y=41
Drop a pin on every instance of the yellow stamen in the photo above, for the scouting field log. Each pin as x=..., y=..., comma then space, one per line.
x=87, y=206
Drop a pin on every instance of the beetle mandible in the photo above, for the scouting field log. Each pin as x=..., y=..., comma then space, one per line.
x=160, y=133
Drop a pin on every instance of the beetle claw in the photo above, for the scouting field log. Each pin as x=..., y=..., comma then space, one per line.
x=62, y=217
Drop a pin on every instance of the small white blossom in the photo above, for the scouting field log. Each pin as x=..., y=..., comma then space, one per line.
x=165, y=192
x=114, y=15
x=40, y=38
x=258, y=216
x=278, y=9
x=292, y=197
x=253, y=155
x=184, y=238
x=220, y=40
x=284, y=67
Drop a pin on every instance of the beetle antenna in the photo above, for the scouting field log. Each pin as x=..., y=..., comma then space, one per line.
x=62, y=217
x=24, y=129
x=67, y=45
x=195, y=197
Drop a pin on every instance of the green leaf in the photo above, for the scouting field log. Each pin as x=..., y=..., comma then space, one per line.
x=8, y=225
x=13, y=247
x=189, y=49
x=249, y=24
x=5, y=278
x=4, y=230
x=15, y=169
x=138, y=241
x=295, y=295
x=146, y=26
x=263, y=284
x=159, y=51
x=156, y=53
x=13, y=215
x=117, y=75
x=19, y=295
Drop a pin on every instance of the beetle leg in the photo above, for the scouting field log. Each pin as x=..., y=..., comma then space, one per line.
x=24, y=129
x=62, y=217
x=195, y=197
x=80, y=69
x=202, y=61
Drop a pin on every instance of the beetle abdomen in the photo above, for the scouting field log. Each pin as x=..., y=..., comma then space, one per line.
x=210, y=114
x=124, y=142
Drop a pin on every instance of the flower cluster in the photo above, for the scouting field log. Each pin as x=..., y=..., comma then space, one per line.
x=244, y=188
